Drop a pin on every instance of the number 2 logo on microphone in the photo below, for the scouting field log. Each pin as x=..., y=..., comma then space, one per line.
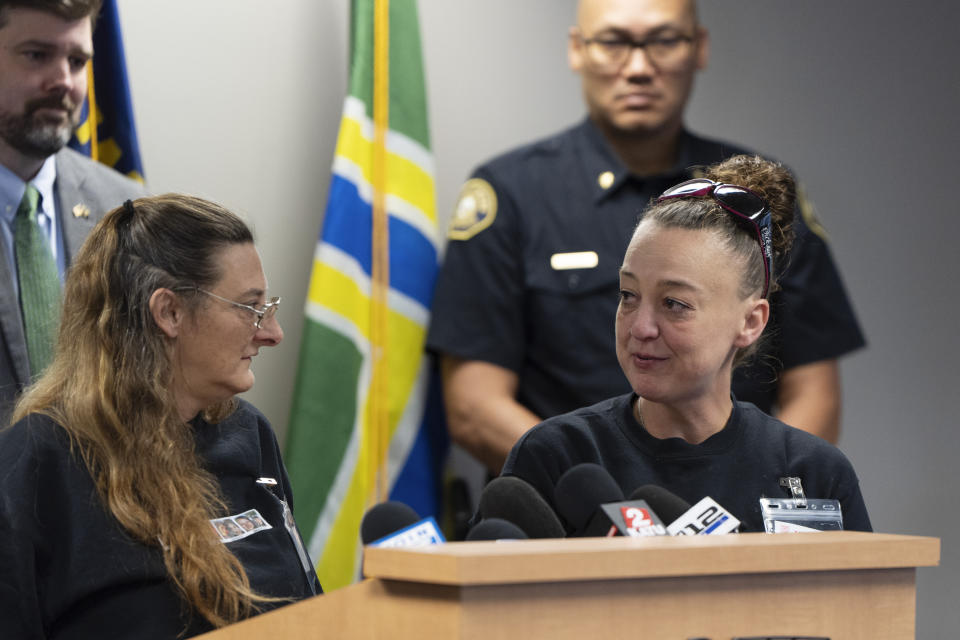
x=638, y=522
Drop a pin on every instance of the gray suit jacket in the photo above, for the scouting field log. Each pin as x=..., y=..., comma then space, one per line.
x=82, y=186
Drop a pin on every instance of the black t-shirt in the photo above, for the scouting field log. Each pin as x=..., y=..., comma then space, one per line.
x=506, y=294
x=69, y=571
x=736, y=466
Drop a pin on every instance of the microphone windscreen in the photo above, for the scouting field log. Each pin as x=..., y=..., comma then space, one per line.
x=513, y=500
x=496, y=529
x=581, y=490
x=384, y=518
x=665, y=503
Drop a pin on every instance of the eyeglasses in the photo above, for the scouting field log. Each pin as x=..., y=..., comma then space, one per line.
x=747, y=206
x=266, y=311
x=609, y=53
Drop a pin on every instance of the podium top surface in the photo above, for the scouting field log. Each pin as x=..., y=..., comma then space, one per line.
x=573, y=559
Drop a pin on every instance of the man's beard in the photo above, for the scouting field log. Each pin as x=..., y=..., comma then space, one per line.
x=38, y=137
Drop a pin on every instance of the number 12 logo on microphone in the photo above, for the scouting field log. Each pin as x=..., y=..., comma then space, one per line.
x=704, y=518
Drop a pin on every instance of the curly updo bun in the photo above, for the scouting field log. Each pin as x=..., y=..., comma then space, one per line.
x=772, y=182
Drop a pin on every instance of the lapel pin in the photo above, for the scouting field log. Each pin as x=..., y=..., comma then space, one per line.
x=81, y=211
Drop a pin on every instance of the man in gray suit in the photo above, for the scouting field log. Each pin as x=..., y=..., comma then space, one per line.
x=44, y=48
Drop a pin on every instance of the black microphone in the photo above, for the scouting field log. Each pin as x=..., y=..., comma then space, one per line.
x=495, y=529
x=706, y=517
x=511, y=499
x=667, y=504
x=384, y=518
x=578, y=495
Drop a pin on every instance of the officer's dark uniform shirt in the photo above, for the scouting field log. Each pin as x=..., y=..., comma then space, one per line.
x=69, y=571
x=507, y=293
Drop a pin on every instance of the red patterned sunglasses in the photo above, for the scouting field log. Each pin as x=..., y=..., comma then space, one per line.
x=747, y=206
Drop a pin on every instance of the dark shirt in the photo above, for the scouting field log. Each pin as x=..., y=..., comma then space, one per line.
x=499, y=300
x=68, y=570
x=736, y=466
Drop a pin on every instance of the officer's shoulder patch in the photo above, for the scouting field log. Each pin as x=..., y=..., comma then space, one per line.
x=476, y=210
x=810, y=215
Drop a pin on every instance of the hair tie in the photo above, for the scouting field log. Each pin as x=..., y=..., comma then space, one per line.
x=126, y=214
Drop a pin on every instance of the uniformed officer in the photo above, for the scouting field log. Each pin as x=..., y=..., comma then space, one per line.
x=527, y=295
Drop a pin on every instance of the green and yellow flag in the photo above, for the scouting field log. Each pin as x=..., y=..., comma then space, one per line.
x=364, y=425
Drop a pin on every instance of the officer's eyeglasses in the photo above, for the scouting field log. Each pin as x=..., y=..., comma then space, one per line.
x=749, y=208
x=608, y=53
x=265, y=312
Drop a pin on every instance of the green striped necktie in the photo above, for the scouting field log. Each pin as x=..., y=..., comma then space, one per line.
x=39, y=282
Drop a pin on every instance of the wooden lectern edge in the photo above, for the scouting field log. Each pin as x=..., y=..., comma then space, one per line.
x=528, y=561
x=424, y=583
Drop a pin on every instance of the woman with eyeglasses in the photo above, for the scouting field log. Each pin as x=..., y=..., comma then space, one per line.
x=130, y=456
x=694, y=289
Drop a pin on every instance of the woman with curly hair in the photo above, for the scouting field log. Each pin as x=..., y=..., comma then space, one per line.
x=694, y=302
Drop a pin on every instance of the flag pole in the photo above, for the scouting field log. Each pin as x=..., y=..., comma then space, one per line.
x=379, y=419
x=92, y=120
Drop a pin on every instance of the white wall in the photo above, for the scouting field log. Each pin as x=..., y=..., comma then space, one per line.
x=239, y=101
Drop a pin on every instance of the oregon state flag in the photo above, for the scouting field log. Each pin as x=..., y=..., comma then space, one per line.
x=107, y=132
x=365, y=424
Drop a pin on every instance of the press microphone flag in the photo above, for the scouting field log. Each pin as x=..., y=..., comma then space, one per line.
x=420, y=534
x=706, y=517
x=394, y=524
x=633, y=518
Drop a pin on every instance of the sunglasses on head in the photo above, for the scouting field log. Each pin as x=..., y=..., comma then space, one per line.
x=747, y=206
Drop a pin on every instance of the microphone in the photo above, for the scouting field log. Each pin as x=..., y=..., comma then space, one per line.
x=384, y=518
x=394, y=524
x=706, y=517
x=667, y=504
x=634, y=517
x=496, y=529
x=578, y=495
x=510, y=498
x=591, y=501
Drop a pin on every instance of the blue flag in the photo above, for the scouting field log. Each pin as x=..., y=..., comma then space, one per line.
x=107, y=132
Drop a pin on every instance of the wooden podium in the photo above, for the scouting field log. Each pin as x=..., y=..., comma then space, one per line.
x=843, y=585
